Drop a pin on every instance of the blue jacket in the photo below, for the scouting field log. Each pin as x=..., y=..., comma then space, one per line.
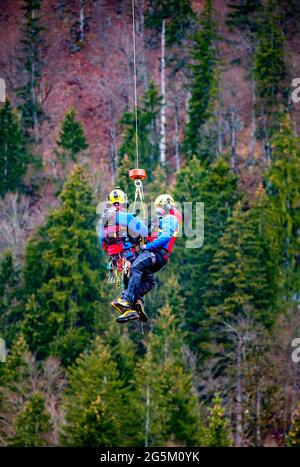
x=167, y=226
x=134, y=224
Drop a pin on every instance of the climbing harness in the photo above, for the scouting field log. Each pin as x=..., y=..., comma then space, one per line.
x=118, y=268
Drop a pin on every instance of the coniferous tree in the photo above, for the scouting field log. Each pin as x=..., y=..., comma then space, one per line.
x=203, y=87
x=283, y=213
x=148, y=138
x=10, y=295
x=71, y=140
x=240, y=279
x=63, y=277
x=216, y=187
x=165, y=402
x=31, y=64
x=13, y=157
x=270, y=72
x=32, y=424
x=217, y=433
x=94, y=405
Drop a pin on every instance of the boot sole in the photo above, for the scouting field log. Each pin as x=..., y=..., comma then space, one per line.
x=142, y=315
x=131, y=317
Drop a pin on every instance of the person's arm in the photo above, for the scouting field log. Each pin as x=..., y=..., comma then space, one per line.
x=169, y=226
x=136, y=226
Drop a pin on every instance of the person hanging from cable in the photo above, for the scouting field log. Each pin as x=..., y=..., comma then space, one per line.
x=154, y=256
x=120, y=233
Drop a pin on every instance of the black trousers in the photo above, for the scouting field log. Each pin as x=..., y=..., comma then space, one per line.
x=142, y=279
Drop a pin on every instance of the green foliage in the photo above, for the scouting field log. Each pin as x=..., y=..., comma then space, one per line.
x=148, y=136
x=166, y=403
x=31, y=65
x=293, y=437
x=94, y=405
x=270, y=71
x=178, y=15
x=217, y=434
x=13, y=157
x=216, y=187
x=239, y=280
x=10, y=294
x=71, y=140
x=283, y=214
x=203, y=87
x=245, y=16
x=32, y=424
x=63, y=275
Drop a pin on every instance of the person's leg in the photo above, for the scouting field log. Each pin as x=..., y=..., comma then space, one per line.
x=143, y=262
x=148, y=282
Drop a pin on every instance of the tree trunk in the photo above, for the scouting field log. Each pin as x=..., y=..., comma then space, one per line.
x=177, y=146
x=147, y=422
x=162, y=146
x=239, y=416
x=253, y=126
x=33, y=95
x=258, y=417
x=233, y=127
x=81, y=20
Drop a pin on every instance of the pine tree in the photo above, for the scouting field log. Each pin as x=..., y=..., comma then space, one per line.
x=217, y=434
x=165, y=403
x=148, y=138
x=96, y=413
x=71, y=140
x=32, y=424
x=283, y=213
x=10, y=295
x=63, y=277
x=293, y=437
x=13, y=157
x=31, y=65
x=203, y=87
x=14, y=384
x=178, y=15
x=240, y=272
x=216, y=187
x=270, y=72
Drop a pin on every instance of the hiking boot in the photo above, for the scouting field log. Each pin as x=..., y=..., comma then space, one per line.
x=139, y=306
x=121, y=305
x=128, y=315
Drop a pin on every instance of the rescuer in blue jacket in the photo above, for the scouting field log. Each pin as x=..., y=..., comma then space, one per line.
x=120, y=232
x=155, y=255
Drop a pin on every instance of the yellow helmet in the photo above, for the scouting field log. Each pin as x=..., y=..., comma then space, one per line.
x=117, y=196
x=164, y=201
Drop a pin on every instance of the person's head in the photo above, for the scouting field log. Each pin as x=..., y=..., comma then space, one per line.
x=163, y=204
x=117, y=198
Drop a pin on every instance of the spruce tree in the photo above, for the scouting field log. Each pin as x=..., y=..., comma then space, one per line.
x=31, y=64
x=71, y=140
x=240, y=278
x=216, y=187
x=203, y=87
x=270, y=72
x=165, y=402
x=13, y=157
x=148, y=137
x=283, y=209
x=64, y=280
x=95, y=411
x=32, y=424
x=10, y=296
x=217, y=433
